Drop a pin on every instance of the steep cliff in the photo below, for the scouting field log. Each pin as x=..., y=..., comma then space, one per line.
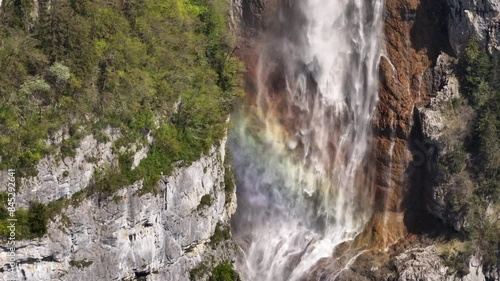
x=473, y=18
x=129, y=236
x=423, y=109
x=114, y=118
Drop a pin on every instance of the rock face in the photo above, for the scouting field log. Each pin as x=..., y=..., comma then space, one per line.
x=60, y=178
x=445, y=122
x=480, y=18
x=158, y=236
x=425, y=264
x=414, y=31
x=415, y=262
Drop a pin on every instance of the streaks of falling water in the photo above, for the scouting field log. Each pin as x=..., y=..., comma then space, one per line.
x=392, y=139
x=301, y=146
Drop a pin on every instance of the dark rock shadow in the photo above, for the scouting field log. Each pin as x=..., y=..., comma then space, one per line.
x=430, y=28
x=417, y=219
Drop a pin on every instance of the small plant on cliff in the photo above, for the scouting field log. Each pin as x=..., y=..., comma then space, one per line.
x=456, y=261
x=80, y=263
x=206, y=201
x=229, y=184
x=224, y=272
x=31, y=222
x=198, y=272
x=222, y=233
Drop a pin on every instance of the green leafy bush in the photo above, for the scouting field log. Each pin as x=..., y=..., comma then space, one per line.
x=222, y=233
x=224, y=272
x=30, y=223
x=206, y=201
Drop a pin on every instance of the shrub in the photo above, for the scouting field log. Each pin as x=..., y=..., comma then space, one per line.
x=37, y=219
x=80, y=263
x=206, y=201
x=455, y=161
x=60, y=72
x=229, y=184
x=224, y=272
x=197, y=272
x=222, y=233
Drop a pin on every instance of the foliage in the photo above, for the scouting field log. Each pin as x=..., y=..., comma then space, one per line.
x=480, y=156
x=129, y=65
x=229, y=184
x=37, y=216
x=197, y=272
x=60, y=72
x=221, y=272
x=206, y=201
x=163, y=67
x=224, y=272
x=80, y=263
x=158, y=67
x=222, y=233
x=30, y=222
x=457, y=263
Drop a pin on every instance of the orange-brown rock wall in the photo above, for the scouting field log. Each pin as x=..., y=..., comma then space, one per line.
x=415, y=34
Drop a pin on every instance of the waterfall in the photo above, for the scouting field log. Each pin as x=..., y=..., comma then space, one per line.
x=302, y=145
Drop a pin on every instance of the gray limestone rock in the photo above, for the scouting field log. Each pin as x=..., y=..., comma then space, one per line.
x=426, y=265
x=159, y=236
x=480, y=18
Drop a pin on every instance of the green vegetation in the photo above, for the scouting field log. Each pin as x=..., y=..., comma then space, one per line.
x=224, y=272
x=159, y=67
x=143, y=66
x=475, y=166
x=229, y=184
x=482, y=87
x=198, y=272
x=222, y=233
x=454, y=253
x=31, y=222
x=80, y=263
x=206, y=201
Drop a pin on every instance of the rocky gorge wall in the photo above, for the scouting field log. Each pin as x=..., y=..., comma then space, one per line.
x=129, y=236
x=419, y=88
x=179, y=231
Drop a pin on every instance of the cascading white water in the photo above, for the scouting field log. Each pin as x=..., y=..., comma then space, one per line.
x=301, y=149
